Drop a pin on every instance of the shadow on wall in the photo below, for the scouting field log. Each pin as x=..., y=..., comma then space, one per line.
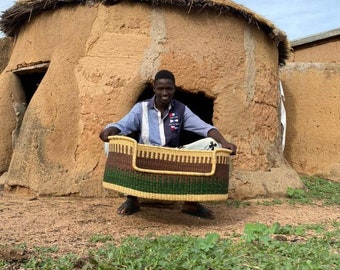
x=292, y=133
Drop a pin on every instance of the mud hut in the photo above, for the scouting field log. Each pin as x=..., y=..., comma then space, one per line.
x=5, y=51
x=78, y=65
x=311, y=82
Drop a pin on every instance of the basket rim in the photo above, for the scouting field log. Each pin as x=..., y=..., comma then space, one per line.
x=166, y=148
x=167, y=151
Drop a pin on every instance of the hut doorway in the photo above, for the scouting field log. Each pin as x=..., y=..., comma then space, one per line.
x=30, y=77
x=199, y=103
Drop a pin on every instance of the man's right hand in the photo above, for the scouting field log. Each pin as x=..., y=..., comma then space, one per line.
x=110, y=131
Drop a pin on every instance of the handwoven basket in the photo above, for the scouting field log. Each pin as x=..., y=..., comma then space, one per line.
x=165, y=173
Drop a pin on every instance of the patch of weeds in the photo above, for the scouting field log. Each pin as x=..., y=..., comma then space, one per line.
x=98, y=238
x=256, y=248
x=317, y=228
x=52, y=249
x=322, y=189
x=317, y=189
x=47, y=262
x=314, y=252
x=22, y=246
x=235, y=235
x=5, y=265
x=270, y=202
x=15, y=253
x=165, y=252
x=237, y=203
x=297, y=195
x=277, y=201
x=336, y=224
x=258, y=232
x=290, y=230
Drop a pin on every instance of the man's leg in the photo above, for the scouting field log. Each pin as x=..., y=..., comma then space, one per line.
x=129, y=207
x=195, y=208
x=131, y=204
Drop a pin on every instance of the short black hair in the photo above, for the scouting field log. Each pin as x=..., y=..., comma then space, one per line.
x=165, y=74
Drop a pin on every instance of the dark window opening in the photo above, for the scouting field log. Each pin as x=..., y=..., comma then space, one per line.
x=30, y=83
x=201, y=105
x=30, y=78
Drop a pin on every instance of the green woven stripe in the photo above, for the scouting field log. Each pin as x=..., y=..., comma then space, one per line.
x=166, y=184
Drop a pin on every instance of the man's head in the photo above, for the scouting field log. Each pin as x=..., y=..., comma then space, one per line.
x=165, y=74
x=164, y=87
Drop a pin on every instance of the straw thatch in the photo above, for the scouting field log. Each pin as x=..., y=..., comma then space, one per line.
x=24, y=10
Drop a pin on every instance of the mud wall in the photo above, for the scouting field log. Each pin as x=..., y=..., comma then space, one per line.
x=6, y=44
x=8, y=125
x=97, y=72
x=311, y=82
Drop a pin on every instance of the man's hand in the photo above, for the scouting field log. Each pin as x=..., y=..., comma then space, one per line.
x=230, y=146
x=110, y=131
x=215, y=134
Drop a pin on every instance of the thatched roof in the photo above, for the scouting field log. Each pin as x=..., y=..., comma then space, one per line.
x=24, y=10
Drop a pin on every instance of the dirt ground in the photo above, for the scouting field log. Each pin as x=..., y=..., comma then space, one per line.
x=69, y=223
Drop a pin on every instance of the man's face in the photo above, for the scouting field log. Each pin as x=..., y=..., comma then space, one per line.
x=164, y=90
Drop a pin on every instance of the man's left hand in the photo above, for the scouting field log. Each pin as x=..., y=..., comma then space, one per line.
x=231, y=147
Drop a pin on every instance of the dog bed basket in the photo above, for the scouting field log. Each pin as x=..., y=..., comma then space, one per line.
x=165, y=173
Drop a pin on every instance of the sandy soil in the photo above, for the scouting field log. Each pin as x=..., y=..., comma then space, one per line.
x=69, y=223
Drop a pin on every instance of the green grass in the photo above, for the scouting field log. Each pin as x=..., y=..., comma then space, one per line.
x=259, y=247
x=311, y=246
x=98, y=238
x=270, y=202
x=316, y=190
x=237, y=203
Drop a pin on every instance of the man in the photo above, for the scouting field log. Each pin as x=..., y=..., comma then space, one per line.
x=160, y=121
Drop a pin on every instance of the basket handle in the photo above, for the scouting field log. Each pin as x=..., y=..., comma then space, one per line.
x=212, y=172
x=136, y=168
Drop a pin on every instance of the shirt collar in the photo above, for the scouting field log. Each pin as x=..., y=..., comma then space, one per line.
x=152, y=103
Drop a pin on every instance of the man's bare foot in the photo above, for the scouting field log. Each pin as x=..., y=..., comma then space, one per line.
x=129, y=207
x=197, y=209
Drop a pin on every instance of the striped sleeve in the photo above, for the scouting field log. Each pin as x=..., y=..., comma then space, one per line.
x=130, y=122
x=195, y=124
